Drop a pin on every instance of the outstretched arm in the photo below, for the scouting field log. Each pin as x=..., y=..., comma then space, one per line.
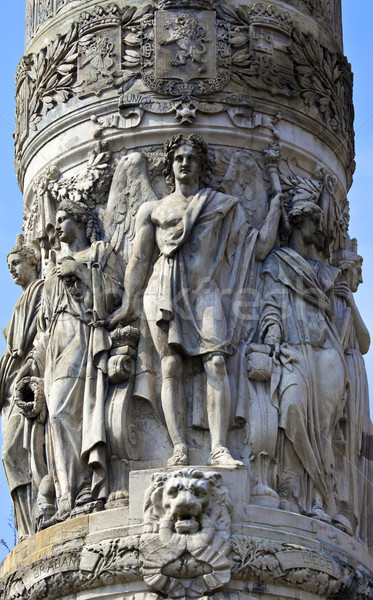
x=267, y=234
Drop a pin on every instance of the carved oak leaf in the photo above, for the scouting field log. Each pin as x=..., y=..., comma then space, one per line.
x=52, y=74
x=324, y=80
x=242, y=58
x=298, y=575
x=237, y=39
x=265, y=563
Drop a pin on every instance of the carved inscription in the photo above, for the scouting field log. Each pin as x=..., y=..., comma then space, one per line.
x=47, y=568
x=294, y=559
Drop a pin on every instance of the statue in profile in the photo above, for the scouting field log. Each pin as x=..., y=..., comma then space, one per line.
x=297, y=322
x=355, y=425
x=71, y=355
x=23, y=438
x=191, y=295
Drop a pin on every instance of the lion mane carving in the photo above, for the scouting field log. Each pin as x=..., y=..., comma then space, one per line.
x=184, y=546
x=188, y=35
x=187, y=501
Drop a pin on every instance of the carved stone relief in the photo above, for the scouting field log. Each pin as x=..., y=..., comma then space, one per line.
x=194, y=319
x=254, y=49
x=186, y=529
x=39, y=12
x=327, y=12
x=146, y=561
x=129, y=363
x=325, y=81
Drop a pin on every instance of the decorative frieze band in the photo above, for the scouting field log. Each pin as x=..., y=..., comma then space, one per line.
x=190, y=60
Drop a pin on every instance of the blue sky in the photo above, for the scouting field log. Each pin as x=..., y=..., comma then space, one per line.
x=357, y=24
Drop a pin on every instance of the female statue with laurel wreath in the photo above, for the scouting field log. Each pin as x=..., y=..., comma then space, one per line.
x=71, y=352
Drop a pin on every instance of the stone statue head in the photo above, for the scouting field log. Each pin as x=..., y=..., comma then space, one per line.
x=200, y=148
x=82, y=215
x=349, y=263
x=299, y=209
x=306, y=216
x=23, y=262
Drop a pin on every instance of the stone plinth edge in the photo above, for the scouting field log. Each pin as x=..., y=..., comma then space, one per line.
x=103, y=554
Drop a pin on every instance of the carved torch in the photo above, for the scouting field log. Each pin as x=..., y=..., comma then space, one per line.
x=271, y=156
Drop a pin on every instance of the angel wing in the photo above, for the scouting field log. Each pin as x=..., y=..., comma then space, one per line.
x=243, y=179
x=130, y=188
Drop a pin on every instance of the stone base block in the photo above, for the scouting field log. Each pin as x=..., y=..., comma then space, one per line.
x=235, y=480
x=269, y=554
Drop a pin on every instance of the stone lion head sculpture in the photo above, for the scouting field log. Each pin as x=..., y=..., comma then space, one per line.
x=187, y=501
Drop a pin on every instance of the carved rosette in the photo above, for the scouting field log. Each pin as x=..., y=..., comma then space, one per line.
x=188, y=565
x=268, y=84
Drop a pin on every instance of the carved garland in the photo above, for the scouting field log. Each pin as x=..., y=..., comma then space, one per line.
x=60, y=71
x=119, y=560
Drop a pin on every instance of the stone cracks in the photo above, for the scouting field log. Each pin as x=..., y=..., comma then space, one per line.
x=251, y=560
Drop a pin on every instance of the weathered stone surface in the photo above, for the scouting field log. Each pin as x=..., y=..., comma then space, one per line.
x=184, y=397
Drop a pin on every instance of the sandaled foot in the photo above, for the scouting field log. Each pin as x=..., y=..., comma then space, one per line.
x=84, y=496
x=58, y=517
x=343, y=524
x=179, y=457
x=221, y=456
x=318, y=512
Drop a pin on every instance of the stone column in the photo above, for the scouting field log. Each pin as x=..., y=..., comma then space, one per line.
x=211, y=436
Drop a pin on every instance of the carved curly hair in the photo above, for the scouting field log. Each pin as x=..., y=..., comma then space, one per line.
x=80, y=213
x=346, y=260
x=29, y=253
x=199, y=146
x=300, y=209
x=296, y=213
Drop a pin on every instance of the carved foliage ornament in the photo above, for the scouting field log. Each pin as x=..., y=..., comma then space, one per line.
x=120, y=560
x=185, y=56
x=325, y=81
x=43, y=80
x=187, y=52
x=312, y=571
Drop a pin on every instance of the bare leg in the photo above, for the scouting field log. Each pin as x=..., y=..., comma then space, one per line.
x=173, y=403
x=218, y=410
